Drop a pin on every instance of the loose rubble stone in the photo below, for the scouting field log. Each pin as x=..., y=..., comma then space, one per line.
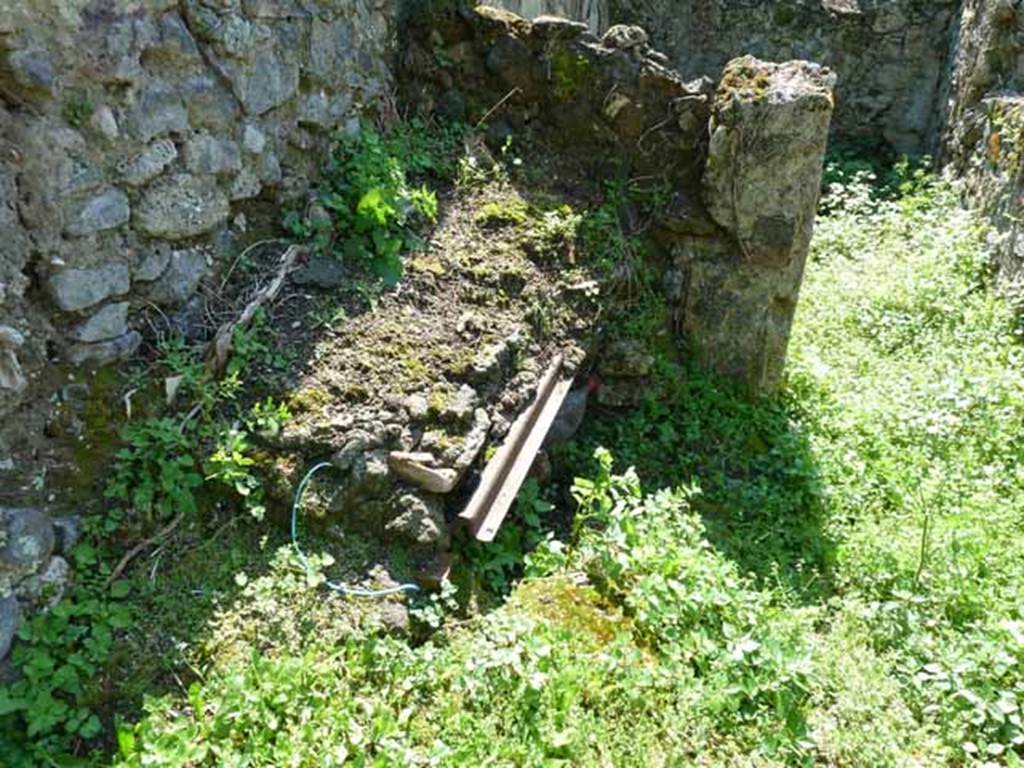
x=394, y=618
x=625, y=37
x=105, y=211
x=76, y=289
x=182, y=206
x=246, y=186
x=474, y=441
x=26, y=542
x=110, y=321
x=104, y=122
x=420, y=522
x=145, y=167
x=459, y=407
x=416, y=469
x=417, y=406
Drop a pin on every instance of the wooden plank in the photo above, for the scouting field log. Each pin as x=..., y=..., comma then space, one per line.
x=505, y=473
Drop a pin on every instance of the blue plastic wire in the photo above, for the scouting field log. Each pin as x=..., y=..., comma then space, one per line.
x=342, y=589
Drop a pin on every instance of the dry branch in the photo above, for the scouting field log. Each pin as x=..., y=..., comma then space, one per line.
x=220, y=348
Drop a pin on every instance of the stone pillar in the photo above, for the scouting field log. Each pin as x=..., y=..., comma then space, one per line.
x=769, y=128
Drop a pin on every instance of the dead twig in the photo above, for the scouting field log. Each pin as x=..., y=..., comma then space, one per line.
x=132, y=553
x=242, y=255
x=497, y=106
x=220, y=348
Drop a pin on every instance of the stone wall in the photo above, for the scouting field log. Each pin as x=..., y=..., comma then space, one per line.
x=738, y=230
x=135, y=136
x=889, y=56
x=942, y=77
x=984, y=140
x=131, y=134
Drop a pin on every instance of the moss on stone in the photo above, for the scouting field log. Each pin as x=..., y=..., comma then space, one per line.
x=569, y=72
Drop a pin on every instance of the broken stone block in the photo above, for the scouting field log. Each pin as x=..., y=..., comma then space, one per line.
x=76, y=289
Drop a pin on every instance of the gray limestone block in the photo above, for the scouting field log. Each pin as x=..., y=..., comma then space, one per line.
x=179, y=281
x=153, y=263
x=211, y=155
x=246, y=186
x=107, y=210
x=109, y=322
x=26, y=542
x=265, y=81
x=76, y=289
x=181, y=206
x=148, y=164
x=10, y=617
x=105, y=352
x=174, y=44
x=32, y=69
x=159, y=110
x=211, y=105
x=253, y=140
